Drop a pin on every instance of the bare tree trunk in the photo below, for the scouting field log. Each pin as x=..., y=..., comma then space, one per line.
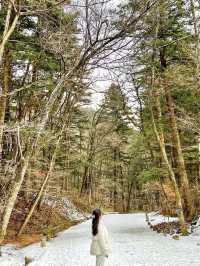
x=8, y=30
x=84, y=186
x=180, y=159
x=122, y=186
x=21, y=171
x=38, y=197
x=198, y=159
x=129, y=197
x=5, y=89
x=195, y=19
x=13, y=195
x=69, y=110
x=170, y=171
x=87, y=180
x=115, y=179
x=160, y=138
x=123, y=196
x=196, y=32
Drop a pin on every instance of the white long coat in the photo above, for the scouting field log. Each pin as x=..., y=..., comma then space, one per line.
x=101, y=244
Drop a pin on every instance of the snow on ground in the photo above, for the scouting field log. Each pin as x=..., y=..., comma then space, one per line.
x=65, y=207
x=134, y=244
x=156, y=218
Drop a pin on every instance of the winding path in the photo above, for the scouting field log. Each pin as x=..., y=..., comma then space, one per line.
x=134, y=244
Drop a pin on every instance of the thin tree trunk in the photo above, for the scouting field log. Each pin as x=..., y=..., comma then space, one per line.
x=8, y=30
x=196, y=32
x=180, y=159
x=122, y=186
x=20, y=94
x=37, y=200
x=19, y=176
x=115, y=179
x=142, y=127
x=159, y=133
x=84, y=185
x=5, y=89
x=129, y=197
x=12, y=199
x=197, y=59
x=87, y=179
x=69, y=111
x=198, y=159
x=170, y=171
x=160, y=138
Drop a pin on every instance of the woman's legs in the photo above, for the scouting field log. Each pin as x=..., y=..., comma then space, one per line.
x=100, y=260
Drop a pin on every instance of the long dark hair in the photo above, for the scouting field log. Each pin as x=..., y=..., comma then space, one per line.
x=96, y=214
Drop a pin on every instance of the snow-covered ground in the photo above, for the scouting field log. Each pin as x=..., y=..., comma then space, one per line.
x=65, y=207
x=156, y=218
x=134, y=244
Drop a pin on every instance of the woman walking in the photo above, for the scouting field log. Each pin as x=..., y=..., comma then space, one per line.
x=100, y=246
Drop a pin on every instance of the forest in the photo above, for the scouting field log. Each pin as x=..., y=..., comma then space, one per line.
x=99, y=103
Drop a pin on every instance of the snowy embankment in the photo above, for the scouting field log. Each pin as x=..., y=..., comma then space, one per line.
x=65, y=207
x=156, y=218
x=134, y=244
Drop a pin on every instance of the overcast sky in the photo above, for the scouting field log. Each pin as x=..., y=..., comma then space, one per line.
x=102, y=79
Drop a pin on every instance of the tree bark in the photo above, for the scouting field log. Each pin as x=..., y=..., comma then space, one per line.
x=22, y=167
x=158, y=131
x=180, y=159
x=129, y=197
x=115, y=179
x=8, y=29
x=24, y=163
x=38, y=197
x=69, y=109
x=3, y=98
x=87, y=180
x=171, y=173
x=196, y=33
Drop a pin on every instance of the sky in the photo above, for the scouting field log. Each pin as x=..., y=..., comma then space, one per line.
x=102, y=79
x=101, y=84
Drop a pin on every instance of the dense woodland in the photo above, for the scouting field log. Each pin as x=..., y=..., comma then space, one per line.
x=139, y=148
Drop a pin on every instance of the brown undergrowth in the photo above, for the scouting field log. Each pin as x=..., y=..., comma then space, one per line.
x=167, y=227
x=46, y=221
